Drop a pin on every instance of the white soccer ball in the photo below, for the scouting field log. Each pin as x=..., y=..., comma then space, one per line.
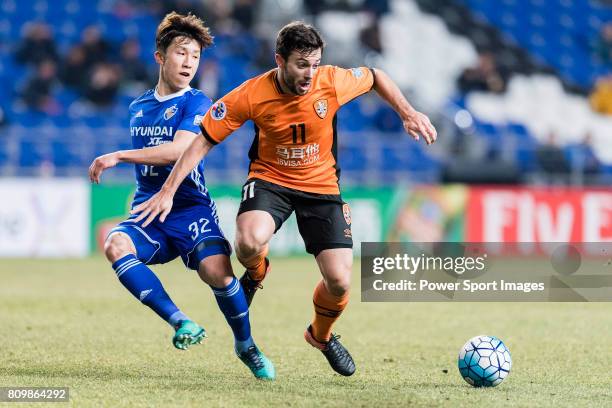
x=484, y=361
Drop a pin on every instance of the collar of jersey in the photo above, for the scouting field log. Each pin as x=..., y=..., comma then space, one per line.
x=168, y=97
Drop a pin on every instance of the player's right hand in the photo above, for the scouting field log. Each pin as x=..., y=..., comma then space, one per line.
x=100, y=164
x=418, y=123
x=159, y=204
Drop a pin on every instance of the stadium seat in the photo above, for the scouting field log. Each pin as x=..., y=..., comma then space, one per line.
x=353, y=159
x=30, y=154
x=64, y=155
x=557, y=30
x=4, y=154
x=218, y=158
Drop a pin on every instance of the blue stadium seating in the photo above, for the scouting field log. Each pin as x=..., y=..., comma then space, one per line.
x=353, y=158
x=369, y=143
x=64, y=154
x=218, y=158
x=30, y=154
x=4, y=154
x=559, y=33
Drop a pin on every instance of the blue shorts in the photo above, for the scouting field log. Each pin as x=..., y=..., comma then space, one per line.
x=191, y=232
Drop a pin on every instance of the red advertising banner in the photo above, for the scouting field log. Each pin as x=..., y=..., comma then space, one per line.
x=538, y=215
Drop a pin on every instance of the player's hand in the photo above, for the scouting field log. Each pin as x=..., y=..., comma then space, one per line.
x=419, y=124
x=159, y=204
x=100, y=164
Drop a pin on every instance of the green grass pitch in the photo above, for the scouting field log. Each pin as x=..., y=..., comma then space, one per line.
x=70, y=323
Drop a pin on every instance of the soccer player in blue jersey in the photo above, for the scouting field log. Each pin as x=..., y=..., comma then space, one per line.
x=163, y=122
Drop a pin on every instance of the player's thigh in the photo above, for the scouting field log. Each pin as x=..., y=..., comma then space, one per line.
x=196, y=234
x=216, y=270
x=324, y=222
x=149, y=243
x=264, y=208
x=336, y=267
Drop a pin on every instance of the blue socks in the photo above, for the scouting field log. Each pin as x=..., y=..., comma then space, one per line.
x=233, y=304
x=146, y=287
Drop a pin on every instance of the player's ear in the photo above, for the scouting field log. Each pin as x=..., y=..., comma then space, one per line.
x=159, y=57
x=280, y=61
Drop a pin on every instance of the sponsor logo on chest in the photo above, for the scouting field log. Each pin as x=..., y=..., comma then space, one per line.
x=151, y=131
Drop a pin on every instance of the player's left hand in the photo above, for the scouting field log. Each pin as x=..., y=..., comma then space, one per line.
x=159, y=204
x=100, y=164
x=419, y=124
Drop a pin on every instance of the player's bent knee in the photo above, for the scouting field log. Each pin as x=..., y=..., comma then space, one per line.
x=251, y=241
x=338, y=284
x=118, y=245
x=254, y=231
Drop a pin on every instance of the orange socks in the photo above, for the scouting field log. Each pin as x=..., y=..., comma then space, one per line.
x=327, y=310
x=257, y=265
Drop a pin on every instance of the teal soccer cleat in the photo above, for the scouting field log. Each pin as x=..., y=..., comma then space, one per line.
x=187, y=334
x=259, y=364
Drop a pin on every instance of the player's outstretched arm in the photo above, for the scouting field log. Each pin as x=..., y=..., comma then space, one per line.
x=161, y=203
x=162, y=155
x=101, y=163
x=415, y=122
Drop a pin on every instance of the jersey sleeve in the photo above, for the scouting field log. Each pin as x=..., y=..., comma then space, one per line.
x=194, y=112
x=350, y=83
x=226, y=115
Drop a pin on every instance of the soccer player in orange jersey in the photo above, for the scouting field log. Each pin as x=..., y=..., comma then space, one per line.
x=294, y=167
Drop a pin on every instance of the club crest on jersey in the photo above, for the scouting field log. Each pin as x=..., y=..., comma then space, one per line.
x=218, y=111
x=169, y=112
x=320, y=107
x=346, y=211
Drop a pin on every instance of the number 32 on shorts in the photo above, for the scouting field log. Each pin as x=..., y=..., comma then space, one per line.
x=199, y=228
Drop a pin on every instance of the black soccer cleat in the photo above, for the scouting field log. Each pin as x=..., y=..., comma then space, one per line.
x=338, y=357
x=250, y=285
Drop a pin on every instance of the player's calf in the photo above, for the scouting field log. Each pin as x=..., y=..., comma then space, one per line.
x=336, y=266
x=144, y=285
x=217, y=272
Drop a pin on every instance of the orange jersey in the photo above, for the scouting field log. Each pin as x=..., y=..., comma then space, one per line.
x=295, y=142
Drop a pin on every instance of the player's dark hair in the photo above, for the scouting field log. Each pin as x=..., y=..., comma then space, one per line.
x=298, y=36
x=179, y=25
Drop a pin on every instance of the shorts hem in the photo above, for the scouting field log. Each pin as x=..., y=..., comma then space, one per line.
x=125, y=229
x=316, y=249
x=210, y=251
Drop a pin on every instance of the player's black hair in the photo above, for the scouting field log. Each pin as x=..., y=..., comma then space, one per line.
x=298, y=36
x=179, y=25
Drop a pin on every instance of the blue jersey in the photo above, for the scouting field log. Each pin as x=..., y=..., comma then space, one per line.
x=154, y=120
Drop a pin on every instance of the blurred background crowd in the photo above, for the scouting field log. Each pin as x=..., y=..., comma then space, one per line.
x=520, y=90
